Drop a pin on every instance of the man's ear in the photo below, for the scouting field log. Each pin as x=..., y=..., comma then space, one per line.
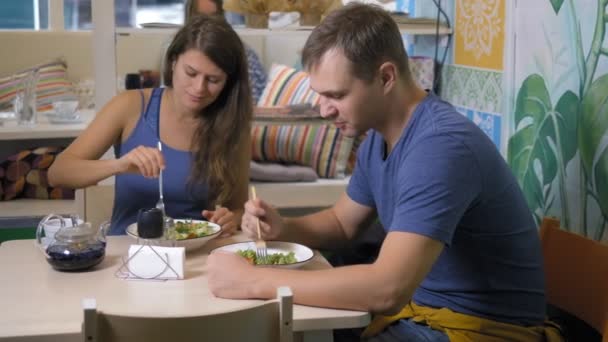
x=388, y=76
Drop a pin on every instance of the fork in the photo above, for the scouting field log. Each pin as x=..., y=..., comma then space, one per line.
x=167, y=221
x=261, y=252
x=160, y=204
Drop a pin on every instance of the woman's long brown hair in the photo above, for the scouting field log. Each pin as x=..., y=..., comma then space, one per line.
x=221, y=139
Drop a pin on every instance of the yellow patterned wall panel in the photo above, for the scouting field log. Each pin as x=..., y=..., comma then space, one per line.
x=480, y=33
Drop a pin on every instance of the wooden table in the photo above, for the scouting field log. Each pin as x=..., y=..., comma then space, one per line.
x=38, y=303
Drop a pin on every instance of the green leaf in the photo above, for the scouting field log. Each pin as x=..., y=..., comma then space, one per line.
x=532, y=100
x=592, y=129
x=601, y=181
x=567, y=110
x=527, y=144
x=557, y=4
x=540, y=131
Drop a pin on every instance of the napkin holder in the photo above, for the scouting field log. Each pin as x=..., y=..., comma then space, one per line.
x=154, y=263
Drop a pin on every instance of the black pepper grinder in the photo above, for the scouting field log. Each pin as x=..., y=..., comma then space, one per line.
x=150, y=223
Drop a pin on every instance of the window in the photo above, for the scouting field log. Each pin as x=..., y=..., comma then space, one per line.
x=34, y=14
x=129, y=13
x=24, y=14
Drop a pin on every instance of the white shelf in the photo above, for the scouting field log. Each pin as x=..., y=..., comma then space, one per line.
x=413, y=28
x=26, y=207
x=423, y=29
x=416, y=29
x=322, y=193
x=10, y=130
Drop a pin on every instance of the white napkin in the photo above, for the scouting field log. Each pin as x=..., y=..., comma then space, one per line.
x=147, y=264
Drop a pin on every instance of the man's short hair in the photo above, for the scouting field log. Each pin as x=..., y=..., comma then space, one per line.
x=365, y=34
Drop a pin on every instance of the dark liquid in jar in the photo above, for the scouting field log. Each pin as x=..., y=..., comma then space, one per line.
x=74, y=257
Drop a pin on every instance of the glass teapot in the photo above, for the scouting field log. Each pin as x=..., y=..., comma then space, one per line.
x=70, y=244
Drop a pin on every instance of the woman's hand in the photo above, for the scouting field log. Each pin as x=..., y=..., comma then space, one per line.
x=271, y=223
x=147, y=161
x=225, y=218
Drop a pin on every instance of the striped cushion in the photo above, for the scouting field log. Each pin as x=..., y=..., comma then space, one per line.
x=352, y=159
x=52, y=85
x=287, y=86
x=314, y=143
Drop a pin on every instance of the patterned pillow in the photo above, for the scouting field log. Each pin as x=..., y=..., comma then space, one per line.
x=257, y=74
x=287, y=86
x=423, y=70
x=290, y=112
x=25, y=175
x=352, y=158
x=15, y=168
x=52, y=85
x=314, y=143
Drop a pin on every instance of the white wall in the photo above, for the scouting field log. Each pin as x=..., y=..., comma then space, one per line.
x=135, y=50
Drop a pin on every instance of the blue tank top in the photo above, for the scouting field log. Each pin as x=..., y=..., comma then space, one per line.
x=133, y=192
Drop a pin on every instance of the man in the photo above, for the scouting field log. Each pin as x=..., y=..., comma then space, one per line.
x=462, y=252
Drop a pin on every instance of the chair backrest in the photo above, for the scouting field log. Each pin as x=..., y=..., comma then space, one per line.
x=94, y=203
x=269, y=321
x=576, y=271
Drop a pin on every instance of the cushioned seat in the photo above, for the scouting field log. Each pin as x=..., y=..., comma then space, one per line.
x=576, y=271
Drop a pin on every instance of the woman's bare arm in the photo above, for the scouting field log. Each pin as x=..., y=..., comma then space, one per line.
x=79, y=165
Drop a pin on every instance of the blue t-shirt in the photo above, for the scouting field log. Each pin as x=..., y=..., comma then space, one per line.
x=133, y=191
x=445, y=179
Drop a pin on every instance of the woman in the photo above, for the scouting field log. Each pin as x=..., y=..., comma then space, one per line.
x=202, y=120
x=257, y=74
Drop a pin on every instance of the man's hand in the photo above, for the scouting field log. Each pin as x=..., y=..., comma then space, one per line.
x=271, y=223
x=230, y=275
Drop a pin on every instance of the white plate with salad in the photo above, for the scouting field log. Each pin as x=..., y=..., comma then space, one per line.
x=187, y=233
x=280, y=254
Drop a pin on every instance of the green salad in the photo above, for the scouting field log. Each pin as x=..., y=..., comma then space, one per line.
x=272, y=259
x=184, y=230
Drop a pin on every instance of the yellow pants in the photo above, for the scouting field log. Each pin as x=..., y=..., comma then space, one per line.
x=466, y=328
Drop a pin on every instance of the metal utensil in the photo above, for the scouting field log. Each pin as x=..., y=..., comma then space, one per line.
x=167, y=221
x=160, y=204
x=261, y=252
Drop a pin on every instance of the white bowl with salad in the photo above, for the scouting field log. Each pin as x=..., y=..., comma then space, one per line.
x=187, y=233
x=280, y=253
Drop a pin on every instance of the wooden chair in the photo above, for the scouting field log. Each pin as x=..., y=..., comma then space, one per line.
x=94, y=204
x=576, y=271
x=269, y=321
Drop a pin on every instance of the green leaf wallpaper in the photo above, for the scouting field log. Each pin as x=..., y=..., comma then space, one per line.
x=558, y=144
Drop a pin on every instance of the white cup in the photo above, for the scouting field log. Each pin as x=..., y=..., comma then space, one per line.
x=65, y=109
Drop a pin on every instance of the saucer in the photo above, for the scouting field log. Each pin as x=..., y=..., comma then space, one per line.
x=55, y=118
x=63, y=121
x=7, y=116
